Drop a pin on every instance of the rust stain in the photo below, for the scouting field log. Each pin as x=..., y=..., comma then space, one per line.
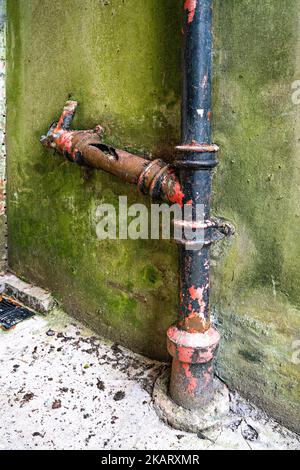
x=195, y=324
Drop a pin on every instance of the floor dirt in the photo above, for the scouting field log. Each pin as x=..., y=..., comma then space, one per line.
x=61, y=387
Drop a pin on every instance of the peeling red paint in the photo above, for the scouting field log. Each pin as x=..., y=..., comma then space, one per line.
x=197, y=294
x=192, y=385
x=177, y=196
x=62, y=137
x=190, y=5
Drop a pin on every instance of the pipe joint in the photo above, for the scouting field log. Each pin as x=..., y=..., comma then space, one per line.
x=197, y=156
x=190, y=347
x=192, y=384
x=151, y=179
x=198, y=148
x=213, y=231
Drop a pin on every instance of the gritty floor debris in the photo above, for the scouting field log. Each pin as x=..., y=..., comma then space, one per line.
x=61, y=387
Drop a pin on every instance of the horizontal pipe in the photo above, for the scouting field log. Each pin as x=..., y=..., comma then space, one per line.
x=86, y=148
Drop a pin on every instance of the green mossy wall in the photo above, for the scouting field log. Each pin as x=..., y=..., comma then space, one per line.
x=121, y=60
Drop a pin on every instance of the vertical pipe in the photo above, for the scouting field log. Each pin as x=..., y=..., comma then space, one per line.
x=193, y=342
x=197, y=68
x=196, y=167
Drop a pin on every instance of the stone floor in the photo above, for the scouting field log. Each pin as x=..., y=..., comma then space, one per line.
x=61, y=387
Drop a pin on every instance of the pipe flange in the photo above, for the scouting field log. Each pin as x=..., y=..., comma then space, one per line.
x=196, y=164
x=192, y=348
x=150, y=175
x=207, y=161
x=214, y=230
x=198, y=148
x=155, y=188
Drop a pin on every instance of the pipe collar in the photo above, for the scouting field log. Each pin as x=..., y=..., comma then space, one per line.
x=192, y=348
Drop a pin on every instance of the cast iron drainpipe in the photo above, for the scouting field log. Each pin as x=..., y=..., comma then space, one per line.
x=192, y=341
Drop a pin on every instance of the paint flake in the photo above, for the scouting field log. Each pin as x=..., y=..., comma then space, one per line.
x=190, y=5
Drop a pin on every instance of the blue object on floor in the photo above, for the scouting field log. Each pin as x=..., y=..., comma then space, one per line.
x=12, y=313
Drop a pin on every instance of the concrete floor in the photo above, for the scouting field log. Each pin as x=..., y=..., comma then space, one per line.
x=61, y=387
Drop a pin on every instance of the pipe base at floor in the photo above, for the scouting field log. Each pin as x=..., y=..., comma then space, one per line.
x=202, y=419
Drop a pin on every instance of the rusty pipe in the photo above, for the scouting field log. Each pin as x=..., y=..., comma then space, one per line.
x=86, y=148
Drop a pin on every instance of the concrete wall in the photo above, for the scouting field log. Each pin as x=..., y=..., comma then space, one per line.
x=121, y=60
